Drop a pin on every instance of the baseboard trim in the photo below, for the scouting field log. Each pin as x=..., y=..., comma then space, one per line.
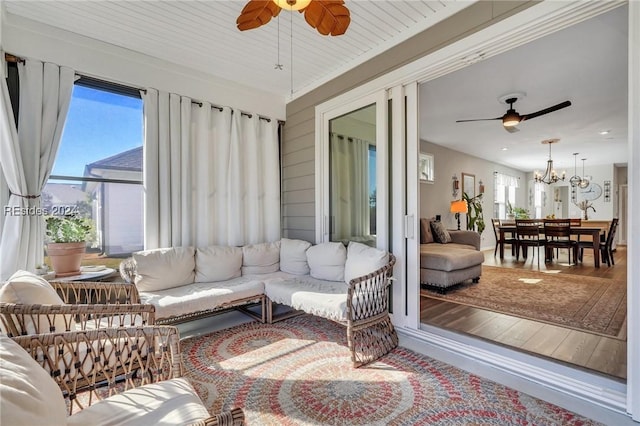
x=590, y=395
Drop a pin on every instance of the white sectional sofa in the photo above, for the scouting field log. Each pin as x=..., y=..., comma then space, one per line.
x=349, y=285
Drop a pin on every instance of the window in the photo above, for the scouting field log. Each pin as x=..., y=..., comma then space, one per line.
x=538, y=198
x=504, y=194
x=98, y=168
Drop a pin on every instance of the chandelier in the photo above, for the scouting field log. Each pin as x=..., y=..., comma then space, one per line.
x=576, y=180
x=550, y=176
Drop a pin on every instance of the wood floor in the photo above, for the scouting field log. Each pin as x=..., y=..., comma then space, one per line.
x=586, y=350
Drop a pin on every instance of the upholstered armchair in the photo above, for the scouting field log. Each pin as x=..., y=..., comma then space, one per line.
x=134, y=376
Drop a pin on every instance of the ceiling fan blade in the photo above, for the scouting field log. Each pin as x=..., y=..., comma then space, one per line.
x=511, y=129
x=479, y=119
x=329, y=17
x=545, y=111
x=256, y=13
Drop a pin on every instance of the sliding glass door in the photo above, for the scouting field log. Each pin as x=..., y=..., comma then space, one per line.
x=352, y=176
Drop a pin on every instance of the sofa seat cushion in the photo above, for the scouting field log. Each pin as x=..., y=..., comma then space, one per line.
x=171, y=402
x=327, y=299
x=201, y=296
x=447, y=258
x=438, y=247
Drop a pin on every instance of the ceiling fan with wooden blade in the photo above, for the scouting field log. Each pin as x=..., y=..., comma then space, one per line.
x=329, y=17
x=512, y=118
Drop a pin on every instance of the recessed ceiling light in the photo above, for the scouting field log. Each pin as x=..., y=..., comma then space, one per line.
x=504, y=148
x=604, y=132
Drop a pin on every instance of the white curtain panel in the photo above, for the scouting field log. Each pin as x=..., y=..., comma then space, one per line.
x=349, y=187
x=27, y=156
x=211, y=175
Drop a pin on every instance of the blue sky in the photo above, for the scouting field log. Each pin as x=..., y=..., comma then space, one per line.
x=99, y=124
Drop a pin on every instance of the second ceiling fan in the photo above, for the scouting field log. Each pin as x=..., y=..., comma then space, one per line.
x=512, y=118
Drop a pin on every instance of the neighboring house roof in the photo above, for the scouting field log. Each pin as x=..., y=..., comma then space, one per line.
x=130, y=160
x=65, y=193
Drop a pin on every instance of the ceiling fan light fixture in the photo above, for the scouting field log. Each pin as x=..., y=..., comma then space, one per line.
x=292, y=4
x=510, y=119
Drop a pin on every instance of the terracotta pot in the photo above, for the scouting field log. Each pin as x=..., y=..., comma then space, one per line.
x=66, y=257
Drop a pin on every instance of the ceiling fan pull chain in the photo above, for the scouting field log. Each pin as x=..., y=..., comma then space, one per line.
x=278, y=63
x=291, y=59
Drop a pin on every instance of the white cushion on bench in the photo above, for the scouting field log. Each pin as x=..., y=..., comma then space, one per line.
x=363, y=260
x=293, y=256
x=201, y=296
x=163, y=268
x=170, y=402
x=218, y=263
x=327, y=299
x=261, y=258
x=326, y=261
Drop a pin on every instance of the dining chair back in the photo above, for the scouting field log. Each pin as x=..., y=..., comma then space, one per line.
x=528, y=235
x=507, y=239
x=558, y=235
x=606, y=248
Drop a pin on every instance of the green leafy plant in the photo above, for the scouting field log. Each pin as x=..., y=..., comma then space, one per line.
x=475, y=216
x=517, y=212
x=68, y=229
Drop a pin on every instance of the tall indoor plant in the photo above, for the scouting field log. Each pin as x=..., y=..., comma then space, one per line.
x=475, y=217
x=66, y=242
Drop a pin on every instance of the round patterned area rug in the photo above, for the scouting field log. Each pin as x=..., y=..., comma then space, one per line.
x=299, y=372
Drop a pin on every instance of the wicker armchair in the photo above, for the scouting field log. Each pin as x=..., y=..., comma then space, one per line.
x=88, y=305
x=150, y=386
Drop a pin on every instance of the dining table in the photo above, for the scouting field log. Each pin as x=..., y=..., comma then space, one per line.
x=594, y=231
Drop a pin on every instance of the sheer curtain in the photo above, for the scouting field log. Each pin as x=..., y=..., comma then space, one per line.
x=349, y=187
x=212, y=175
x=27, y=155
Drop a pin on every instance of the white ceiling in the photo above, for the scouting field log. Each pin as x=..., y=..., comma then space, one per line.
x=586, y=64
x=202, y=35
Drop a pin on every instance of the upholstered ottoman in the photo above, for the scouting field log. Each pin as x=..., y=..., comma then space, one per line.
x=443, y=266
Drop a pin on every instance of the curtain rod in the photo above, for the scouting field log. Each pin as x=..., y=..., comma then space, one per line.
x=219, y=108
x=13, y=58
x=246, y=114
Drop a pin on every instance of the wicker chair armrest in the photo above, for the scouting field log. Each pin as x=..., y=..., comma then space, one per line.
x=368, y=296
x=74, y=292
x=106, y=361
x=128, y=270
x=234, y=417
x=16, y=319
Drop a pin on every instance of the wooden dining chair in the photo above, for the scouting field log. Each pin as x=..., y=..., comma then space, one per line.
x=557, y=233
x=511, y=239
x=606, y=246
x=528, y=235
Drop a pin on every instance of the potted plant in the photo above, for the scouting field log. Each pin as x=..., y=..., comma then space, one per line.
x=516, y=212
x=66, y=242
x=475, y=216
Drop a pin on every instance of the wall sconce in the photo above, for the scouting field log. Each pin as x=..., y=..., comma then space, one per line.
x=456, y=186
x=481, y=187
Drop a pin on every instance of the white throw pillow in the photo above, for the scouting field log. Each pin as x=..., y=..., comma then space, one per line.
x=261, y=258
x=362, y=260
x=293, y=256
x=164, y=268
x=326, y=261
x=28, y=395
x=28, y=288
x=218, y=263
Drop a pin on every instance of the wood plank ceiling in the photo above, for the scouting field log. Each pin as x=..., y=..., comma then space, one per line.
x=202, y=35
